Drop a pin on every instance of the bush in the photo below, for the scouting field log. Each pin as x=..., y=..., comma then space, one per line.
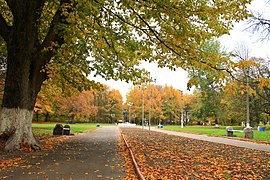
x=267, y=127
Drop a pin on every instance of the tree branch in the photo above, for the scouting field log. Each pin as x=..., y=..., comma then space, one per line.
x=54, y=35
x=5, y=29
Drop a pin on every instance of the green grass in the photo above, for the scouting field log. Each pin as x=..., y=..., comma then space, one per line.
x=221, y=131
x=42, y=128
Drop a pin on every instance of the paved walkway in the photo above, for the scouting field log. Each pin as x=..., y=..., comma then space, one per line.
x=88, y=156
x=228, y=141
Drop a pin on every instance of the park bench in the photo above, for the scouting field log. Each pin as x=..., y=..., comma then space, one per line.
x=248, y=132
x=230, y=131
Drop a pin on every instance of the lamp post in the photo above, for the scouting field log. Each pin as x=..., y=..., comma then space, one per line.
x=149, y=121
x=247, y=99
x=182, y=110
x=248, y=130
x=142, y=106
x=150, y=105
x=129, y=106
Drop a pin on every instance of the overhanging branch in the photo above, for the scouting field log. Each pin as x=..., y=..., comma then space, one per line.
x=54, y=35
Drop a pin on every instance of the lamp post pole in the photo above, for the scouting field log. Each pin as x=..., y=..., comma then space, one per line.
x=142, y=106
x=182, y=110
x=129, y=106
x=247, y=99
x=149, y=123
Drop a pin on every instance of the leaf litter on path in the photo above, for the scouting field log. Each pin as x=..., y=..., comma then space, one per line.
x=18, y=158
x=162, y=156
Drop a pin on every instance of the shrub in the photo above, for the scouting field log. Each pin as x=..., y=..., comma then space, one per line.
x=267, y=127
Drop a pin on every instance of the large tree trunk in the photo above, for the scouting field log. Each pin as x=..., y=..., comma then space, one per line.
x=27, y=57
x=23, y=79
x=23, y=82
x=16, y=124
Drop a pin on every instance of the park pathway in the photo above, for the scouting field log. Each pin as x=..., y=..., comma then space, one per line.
x=227, y=141
x=88, y=156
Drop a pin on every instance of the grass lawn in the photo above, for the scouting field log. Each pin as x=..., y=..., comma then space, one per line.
x=47, y=128
x=221, y=131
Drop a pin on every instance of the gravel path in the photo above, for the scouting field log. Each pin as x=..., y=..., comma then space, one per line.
x=88, y=156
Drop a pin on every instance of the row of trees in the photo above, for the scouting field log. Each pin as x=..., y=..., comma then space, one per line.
x=160, y=104
x=227, y=104
x=103, y=105
x=220, y=103
x=243, y=94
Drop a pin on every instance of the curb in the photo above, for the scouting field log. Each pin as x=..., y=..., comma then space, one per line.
x=138, y=172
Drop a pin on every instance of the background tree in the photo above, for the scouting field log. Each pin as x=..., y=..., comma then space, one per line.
x=50, y=37
x=47, y=100
x=80, y=107
x=188, y=100
x=109, y=102
x=153, y=101
x=115, y=101
x=172, y=104
x=260, y=23
x=258, y=90
x=210, y=83
x=163, y=103
x=134, y=97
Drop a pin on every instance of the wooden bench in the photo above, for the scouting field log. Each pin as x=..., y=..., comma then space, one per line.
x=230, y=131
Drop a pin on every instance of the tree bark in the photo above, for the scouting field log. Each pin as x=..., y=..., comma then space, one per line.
x=25, y=63
x=23, y=78
x=16, y=124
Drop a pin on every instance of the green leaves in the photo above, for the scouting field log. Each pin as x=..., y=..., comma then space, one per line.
x=120, y=34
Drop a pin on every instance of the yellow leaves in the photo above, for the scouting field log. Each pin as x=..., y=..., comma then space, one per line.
x=99, y=43
x=242, y=92
x=231, y=88
x=243, y=64
x=263, y=82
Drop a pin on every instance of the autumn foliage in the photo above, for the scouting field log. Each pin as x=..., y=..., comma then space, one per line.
x=86, y=106
x=162, y=104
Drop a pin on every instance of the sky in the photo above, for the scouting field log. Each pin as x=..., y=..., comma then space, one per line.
x=179, y=78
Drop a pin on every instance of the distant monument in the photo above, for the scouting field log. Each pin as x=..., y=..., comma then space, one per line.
x=125, y=114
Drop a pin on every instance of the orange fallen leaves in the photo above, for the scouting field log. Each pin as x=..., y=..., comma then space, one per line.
x=162, y=156
x=6, y=163
x=130, y=169
x=47, y=141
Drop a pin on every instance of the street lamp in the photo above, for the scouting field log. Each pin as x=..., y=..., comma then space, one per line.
x=142, y=87
x=142, y=106
x=182, y=110
x=247, y=98
x=150, y=103
x=129, y=105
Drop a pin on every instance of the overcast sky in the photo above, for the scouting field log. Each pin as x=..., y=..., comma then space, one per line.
x=178, y=79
